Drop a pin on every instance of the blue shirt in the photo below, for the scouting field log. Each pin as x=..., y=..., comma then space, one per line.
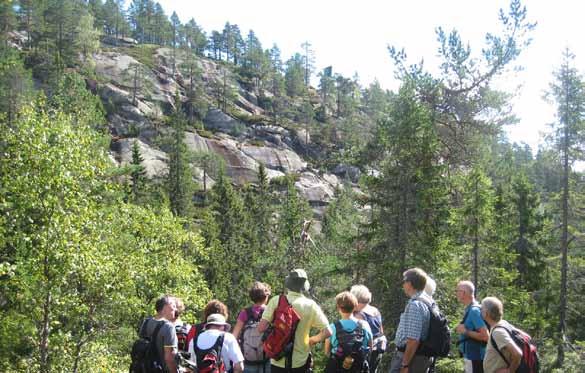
x=472, y=349
x=414, y=321
x=349, y=325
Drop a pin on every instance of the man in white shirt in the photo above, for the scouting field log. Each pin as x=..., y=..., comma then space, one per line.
x=492, y=311
x=215, y=327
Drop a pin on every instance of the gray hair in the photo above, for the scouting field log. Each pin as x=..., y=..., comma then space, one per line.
x=362, y=293
x=493, y=307
x=468, y=286
x=430, y=287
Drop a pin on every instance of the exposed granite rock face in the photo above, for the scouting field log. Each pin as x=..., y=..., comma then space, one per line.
x=284, y=160
x=315, y=190
x=347, y=172
x=155, y=162
x=242, y=147
x=220, y=121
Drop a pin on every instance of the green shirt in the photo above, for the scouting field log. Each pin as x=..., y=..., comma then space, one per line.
x=311, y=317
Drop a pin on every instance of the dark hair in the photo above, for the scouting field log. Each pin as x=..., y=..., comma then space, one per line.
x=417, y=278
x=214, y=306
x=346, y=301
x=163, y=301
x=259, y=292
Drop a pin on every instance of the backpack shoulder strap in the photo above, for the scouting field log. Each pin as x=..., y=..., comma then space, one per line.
x=218, y=346
x=338, y=327
x=142, y=331
x=157, y=329
x=495, y=345
x=250, y=314
x=426, y=303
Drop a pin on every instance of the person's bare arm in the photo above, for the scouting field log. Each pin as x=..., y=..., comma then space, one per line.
x=238, y=328
x=170, y=359
x=323, y=334
x=239, y=367
x=327, y=347
x=479, y=335
x=262, y=326
x=411, y=347
x=514, y=356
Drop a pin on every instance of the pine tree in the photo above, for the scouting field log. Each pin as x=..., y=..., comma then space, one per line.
x=176, y=27
x=16, y=85
x=293, y=76
x=408, y=198
x=87, y=38
x=294, y=213
x=180, y=179
x=476, y=218
x=568, y=91
x=7, y=22
x=308, y=62
x=138, y=172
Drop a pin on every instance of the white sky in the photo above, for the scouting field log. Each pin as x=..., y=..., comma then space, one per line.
x=353, y=36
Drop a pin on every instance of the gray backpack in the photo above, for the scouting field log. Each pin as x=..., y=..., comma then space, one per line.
x=251, y=339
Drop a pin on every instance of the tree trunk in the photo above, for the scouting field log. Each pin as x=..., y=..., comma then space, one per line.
x=44, y=337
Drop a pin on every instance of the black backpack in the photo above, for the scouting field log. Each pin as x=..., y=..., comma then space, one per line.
x=144, y=355
x=438, y=341
x=529, y=362
x=209, y=360
x=351, y=356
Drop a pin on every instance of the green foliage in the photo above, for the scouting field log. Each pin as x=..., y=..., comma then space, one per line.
x=143, y=53
x=74, y=267
x=16, y=86
x=180, y=178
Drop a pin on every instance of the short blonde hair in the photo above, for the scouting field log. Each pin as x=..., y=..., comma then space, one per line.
x=346, y=301
x=362, y=293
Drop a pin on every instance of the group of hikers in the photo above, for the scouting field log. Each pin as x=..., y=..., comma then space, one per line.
x=273, y=335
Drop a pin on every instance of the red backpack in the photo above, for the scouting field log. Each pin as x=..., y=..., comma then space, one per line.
x=209, y=359
x=529, y=362
x=280, y=338
x=194, y=331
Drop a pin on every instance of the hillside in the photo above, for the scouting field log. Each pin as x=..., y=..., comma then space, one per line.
x=243, y=137
x=142, y=156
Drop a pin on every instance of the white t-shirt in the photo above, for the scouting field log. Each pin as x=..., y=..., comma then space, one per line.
x=230, y=351
x=492, y=361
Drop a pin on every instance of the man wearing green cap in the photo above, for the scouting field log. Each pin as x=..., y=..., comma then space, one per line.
x=311, y=317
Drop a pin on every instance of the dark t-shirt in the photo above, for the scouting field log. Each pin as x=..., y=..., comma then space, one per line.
x=167, y=337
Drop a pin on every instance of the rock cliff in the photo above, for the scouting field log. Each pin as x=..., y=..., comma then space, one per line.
x=242, y=146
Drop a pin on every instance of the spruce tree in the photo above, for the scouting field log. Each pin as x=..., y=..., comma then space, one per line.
x=180, y=179
x=138, y=172
x=568, y=92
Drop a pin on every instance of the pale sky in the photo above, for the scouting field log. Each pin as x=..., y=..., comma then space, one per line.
x=353, y=36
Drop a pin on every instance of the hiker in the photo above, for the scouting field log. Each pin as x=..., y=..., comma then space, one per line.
x=213, y=306
x=365, y=311
x=166, y=338
x=181, y=327
x=214, y=347
x=246, y=330
x=350, y=342
x=413, y=326
x=311, y=316
x=430, y=287
x=473, y=333
x=492, y=311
